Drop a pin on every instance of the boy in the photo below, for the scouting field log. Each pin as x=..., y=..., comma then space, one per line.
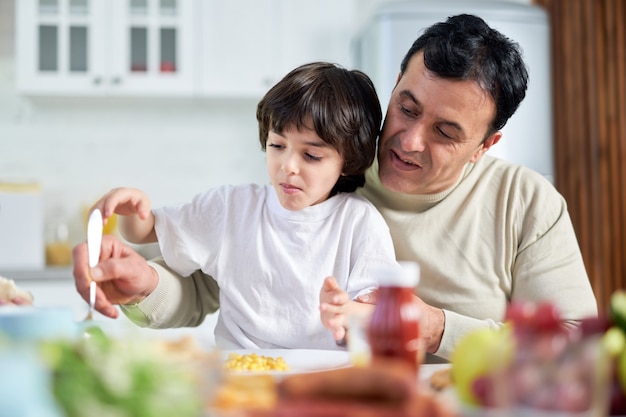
x=270, y=247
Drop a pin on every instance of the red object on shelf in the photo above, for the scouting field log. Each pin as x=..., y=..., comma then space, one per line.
x=168, y=66
x=139, y=68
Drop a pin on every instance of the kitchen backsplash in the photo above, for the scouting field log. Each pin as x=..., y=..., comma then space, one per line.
x=78, y=149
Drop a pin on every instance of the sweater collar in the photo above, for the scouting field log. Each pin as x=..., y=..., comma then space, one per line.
x=376, y=191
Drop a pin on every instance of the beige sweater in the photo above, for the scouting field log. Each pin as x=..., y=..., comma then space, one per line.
x=501, y=233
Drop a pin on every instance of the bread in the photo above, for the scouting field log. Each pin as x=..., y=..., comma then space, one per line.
x=9, y=292
x=441, y=379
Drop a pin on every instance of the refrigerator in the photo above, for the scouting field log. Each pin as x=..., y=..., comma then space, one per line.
x=380, y=45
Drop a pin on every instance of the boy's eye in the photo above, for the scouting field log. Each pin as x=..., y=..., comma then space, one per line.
x=275, y=145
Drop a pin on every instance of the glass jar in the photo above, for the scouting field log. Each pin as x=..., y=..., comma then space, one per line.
x=394, y=328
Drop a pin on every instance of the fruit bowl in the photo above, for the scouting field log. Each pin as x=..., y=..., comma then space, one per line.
x=538, y=368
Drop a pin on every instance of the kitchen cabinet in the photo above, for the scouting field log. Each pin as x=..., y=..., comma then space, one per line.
x=238, y=38
x=102, y=47
x=249, y=45
x=209, y=48
x=319, y=30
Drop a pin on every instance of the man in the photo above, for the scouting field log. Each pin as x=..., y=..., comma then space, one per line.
x=484, y=232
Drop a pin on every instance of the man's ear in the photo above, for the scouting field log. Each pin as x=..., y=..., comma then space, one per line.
x=485, y=145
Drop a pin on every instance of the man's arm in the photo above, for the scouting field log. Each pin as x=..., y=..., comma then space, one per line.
x=176, y=301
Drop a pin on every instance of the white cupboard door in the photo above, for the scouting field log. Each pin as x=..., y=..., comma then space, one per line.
x=112, y=47
x=318, y=30
x=57, y=44
x=239, y=47
x=152, y=47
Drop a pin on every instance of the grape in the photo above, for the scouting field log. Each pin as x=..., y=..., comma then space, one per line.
x=618, y=400
x=521, y=314
x=547, y=317
x=595, y=325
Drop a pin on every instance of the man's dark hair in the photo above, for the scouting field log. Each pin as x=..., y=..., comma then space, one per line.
x=464, y=47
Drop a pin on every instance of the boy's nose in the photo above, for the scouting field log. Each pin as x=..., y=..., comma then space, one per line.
x=290, y=164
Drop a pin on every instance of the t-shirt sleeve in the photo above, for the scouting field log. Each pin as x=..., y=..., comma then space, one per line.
x=189, y=235
x=375, y=249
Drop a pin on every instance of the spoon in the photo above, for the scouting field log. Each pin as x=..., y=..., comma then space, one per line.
x=94, y=240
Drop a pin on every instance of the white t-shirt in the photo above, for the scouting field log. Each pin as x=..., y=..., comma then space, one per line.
x=270, y=262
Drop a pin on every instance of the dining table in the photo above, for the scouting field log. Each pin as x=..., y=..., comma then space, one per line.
x=225, y=392
x=257, y=385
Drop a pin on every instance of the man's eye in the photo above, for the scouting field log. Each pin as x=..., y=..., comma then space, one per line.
x=444, y=134
x=313, y=157
x=407, y=111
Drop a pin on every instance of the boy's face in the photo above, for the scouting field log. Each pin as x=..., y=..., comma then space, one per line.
x=302, y=167
x=433, y=127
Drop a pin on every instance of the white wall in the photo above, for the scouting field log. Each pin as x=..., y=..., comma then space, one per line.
x=78, y=149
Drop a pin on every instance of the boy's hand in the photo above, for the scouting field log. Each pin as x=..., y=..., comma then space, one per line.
x=333, y=305
x=125, y=202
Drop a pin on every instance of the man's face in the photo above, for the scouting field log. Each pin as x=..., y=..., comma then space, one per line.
x=433, y=127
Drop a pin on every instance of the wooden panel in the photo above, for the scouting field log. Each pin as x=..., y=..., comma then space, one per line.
x=620, y=139
x=589, y=75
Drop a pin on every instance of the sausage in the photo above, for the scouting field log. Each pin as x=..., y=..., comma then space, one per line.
x=386, y=380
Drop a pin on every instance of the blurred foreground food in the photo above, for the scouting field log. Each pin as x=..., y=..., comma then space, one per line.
x=534, y=364
x=9, y=292
x=387, y=387
x=97, y=375
x=252, y=362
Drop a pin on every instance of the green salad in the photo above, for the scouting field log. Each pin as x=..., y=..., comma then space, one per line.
x=97, y=376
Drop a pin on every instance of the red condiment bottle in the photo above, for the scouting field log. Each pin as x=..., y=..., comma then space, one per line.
x=394, y=329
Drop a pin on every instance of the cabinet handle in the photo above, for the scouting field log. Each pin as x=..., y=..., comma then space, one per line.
x=97, y=81
x=116, y=80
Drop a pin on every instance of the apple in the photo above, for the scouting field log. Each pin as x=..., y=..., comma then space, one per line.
x=477, y=356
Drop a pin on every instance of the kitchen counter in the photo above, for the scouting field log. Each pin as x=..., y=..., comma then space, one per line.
x=62, y=273
x=54, y=287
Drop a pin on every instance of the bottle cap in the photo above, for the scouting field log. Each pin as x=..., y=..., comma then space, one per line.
x=405, y=274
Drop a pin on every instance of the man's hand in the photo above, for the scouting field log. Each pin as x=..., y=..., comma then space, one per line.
x=123, y=276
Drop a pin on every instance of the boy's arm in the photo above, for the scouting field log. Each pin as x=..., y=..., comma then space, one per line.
x=134, y=208
x=137, y=230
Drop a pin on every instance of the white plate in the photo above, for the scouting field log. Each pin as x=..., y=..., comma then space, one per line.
x=300, y=360
x=427, y=369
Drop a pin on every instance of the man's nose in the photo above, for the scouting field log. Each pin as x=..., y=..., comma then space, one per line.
x=413, y=139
